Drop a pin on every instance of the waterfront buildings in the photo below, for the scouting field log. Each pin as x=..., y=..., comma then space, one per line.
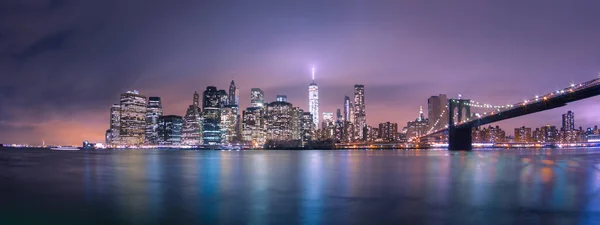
x=307, y=129
x=132, y=121
x=192, y=123
x=279, y=121
x=112, y=134
x=490, y=134
x=211, y=115
x=154, y=110
x=523, y=135
x=254, y=126
x=360, y=115
x=170, y=130
x=313, y=100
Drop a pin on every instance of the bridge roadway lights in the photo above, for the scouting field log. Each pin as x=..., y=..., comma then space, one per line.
x=459, y=138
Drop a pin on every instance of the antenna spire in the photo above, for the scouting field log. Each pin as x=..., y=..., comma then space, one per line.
x=313, y=73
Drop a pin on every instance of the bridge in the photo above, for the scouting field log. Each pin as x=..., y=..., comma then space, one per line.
x=459, y=129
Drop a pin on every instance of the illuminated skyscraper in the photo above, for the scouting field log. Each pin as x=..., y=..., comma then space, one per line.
x=348, y=115
x=132, y=122
x=360, y=116
x=153, y=112
x=327, y=119
x=338, y=116
x=313, y=100
x=257, y=97
x=279, y=121
x=388, y=131
x=112, y=134
x=192, y=123
x=254, y=128
x=211, y=115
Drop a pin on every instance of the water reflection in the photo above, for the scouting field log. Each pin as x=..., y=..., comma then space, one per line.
x=306, y=187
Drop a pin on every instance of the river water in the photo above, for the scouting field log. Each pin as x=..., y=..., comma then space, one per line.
x=559, y=186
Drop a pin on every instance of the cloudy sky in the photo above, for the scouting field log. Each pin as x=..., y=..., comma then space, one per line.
x=64, y=62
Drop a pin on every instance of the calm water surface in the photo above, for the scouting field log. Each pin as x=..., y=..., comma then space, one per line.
x=300, y=187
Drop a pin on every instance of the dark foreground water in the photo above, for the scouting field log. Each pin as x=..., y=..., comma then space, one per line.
x=300, y=187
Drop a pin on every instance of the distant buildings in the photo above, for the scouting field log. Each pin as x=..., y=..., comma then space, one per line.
x=523, y=135
x=132, y=122
x=418, y=127
x=170, y=130
x=488, y=135
x=153, y=112
x=192, y=123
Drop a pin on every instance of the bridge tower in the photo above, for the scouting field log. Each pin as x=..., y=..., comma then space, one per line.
x=459, y=137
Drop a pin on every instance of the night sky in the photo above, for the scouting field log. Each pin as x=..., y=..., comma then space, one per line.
x=64, y=62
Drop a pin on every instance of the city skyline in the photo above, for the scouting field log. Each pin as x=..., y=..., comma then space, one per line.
x=449, y=53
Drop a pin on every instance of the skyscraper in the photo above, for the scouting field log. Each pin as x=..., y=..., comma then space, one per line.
x=360, y=115
x=170, y=130
x=568, y=121
x=153, y=112
x=257, y=97
x=192, y=123
x=327, y=119
x=281, y=98
x=112, y=134
x=348, y=115
x=211, y=115
x=307, y=128
x=132, y=122
x=313, y=100
x=338, y=115
x=435, y=106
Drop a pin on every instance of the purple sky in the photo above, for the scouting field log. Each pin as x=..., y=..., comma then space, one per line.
x=64, y=62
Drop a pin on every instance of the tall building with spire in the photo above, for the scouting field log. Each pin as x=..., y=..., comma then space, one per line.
x=191, y=133
x=360, y=115
x=233, y=94
x=313, y=100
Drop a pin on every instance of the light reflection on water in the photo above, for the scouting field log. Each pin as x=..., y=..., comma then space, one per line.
x=300, y=187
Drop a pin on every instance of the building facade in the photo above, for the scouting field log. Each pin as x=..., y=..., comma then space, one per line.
x=211, y=116
x=170, y=130
x=388, y=131
x=132, y=122
x=192, y=123
x=360, y=115
x=254, y=128
x=153, y=112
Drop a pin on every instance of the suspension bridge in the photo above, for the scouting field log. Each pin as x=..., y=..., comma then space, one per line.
x=461, y=121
